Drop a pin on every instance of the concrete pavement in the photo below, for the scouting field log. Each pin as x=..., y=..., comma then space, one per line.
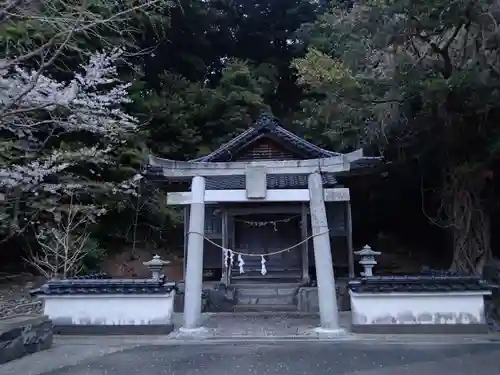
x=237, y=344
x=261, y=358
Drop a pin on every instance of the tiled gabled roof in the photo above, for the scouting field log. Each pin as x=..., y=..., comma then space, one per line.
x=271, y=126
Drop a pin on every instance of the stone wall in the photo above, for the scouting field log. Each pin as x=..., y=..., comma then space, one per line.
x=307, y=298
x=22, y=335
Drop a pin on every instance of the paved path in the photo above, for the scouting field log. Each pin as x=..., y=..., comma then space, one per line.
x=290, y=358
x=258, y=325
x=238, y=344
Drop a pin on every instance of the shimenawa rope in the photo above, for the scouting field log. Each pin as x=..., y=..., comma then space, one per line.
x=229, y=254
x=265, y=254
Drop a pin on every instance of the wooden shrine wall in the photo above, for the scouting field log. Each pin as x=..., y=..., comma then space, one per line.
x=265, y=149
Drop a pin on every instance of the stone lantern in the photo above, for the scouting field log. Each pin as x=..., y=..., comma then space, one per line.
x=367, y=260
x=155, y=265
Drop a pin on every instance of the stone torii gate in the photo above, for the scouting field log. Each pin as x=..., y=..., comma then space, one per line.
x=256, y=191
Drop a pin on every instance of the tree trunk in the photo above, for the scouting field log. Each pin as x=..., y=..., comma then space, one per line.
x=469, y=222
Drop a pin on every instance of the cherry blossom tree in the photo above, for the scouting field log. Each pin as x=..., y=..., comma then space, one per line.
x=61, y=128
x=58, y=138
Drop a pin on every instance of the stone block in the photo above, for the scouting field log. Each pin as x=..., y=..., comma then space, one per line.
x=22, y=335
x=307, y=299
x=256, y=182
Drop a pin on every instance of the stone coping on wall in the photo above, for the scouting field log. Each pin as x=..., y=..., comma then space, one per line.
x=104, y=286
x=22, y=335
x=418, y=284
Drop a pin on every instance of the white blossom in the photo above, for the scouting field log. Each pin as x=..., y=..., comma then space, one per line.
x=90, y=102
x=35, y=109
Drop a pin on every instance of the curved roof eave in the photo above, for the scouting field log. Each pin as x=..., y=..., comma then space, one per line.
x=272, y=126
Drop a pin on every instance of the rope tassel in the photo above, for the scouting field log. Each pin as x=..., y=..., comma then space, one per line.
x=241, y=263
x=263, y=269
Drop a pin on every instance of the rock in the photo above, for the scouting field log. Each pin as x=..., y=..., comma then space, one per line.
x=24, y=335
x=220, y=299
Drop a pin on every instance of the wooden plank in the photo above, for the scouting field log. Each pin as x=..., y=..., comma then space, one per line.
x=186, y=231
x=337, y=195
x=225, y=244
x=273, y=195
x=349, y=239
x=286, y=208
x=306, y=278
x=335, y=212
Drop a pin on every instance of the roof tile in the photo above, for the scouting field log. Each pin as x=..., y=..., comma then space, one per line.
x=104, y=286
x=266, y=124
x=292, y=181
x=417, y=284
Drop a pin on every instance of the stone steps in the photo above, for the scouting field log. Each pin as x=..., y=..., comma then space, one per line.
x=265, y=308
x=276, y=277
x=266, y=297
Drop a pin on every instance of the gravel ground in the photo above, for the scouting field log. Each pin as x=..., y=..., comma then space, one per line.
x=15, y=298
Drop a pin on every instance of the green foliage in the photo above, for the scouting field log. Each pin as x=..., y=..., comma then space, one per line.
x=94, y=255
x=398, y=62
x=201, y=71
x=419, y=80
x=199, y=117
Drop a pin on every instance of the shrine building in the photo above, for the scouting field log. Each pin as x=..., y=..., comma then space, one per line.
x=266, y=208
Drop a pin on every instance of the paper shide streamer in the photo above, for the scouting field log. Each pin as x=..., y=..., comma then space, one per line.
x=229, y=261
x=228, y=257
x=263, y=269
x=241, y=263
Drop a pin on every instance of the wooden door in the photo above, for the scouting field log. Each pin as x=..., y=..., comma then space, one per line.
x=266, y=234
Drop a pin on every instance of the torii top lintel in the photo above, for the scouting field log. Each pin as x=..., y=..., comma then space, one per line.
x=223, y=162
x=186, y=169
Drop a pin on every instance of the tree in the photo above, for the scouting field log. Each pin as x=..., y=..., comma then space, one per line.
x=421, y=80
x=198, y=117
x=53, y=32
x=58, y=140
x=65, y=245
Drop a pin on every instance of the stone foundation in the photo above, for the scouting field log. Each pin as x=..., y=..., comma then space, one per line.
x=307, y=299
x=24, y=335
x=217, y=298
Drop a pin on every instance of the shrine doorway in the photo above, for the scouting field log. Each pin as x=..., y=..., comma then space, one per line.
x=267, y=234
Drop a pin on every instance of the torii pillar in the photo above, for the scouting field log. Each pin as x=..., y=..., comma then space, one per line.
x=327, y=294
x=194, y=269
